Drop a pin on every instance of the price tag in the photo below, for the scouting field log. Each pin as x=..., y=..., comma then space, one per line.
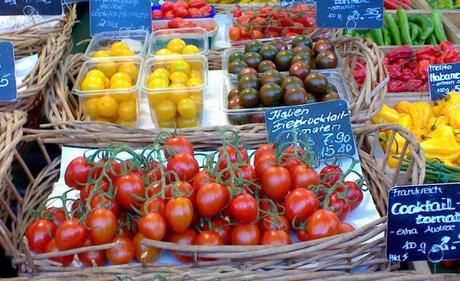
x=118, y=15
x=324, y=126
x=443, y=78
x=27, y=7
x=8, y=90
x=424, y=223
x=349, y=14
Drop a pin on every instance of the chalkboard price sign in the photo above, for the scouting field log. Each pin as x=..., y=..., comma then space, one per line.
x=349, y=14
x=324, y=126
x=30, y=7
x=424, y=223
x=8, y=90
x=118, y=15
x=443, y=78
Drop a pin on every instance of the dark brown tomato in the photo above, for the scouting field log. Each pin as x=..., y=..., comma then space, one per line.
x=302, y=57
x=291, y=82
x=268, y=52
x=249, y=98
x=236, y=66
x=316, y=83
x=311, y=98
x=252, y=59
x=247, y=71
x=232, y=93
x=257, y=118
x=271, y=94
x=302, y=40
x=248, y=82
x=294, y=97
x=331, y=95
x=322, y=45
x=279, y=44
x=326, y=60
x=236, y=56
x=300, y=70
x=283, y=60
x=253, y=46
x=271, y=76
x=266, y=65
x=234, y=102
x=302, y=50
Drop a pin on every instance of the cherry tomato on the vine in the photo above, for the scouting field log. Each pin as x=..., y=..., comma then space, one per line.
x=244, y=208
x=304, y=176
x=185, y=238
x=222, y=227
x=330, y=175
x=300, y=203
x=176, y=145
x=142, y=252
x=91, y=258
x=322, y=223
x=122, y=254
x=203, y=177
x=70, y=234
x=52, y=247
x=77, y=172
x=274, y=222
x=339, y=206
x=355, y=194
x=129, y=190
x=184, y=166
x=276, y=182
x=264, y=162
x=262, y=150
x=152, y=226
x=345, y=227
x=56, y=215
x=179, y=213
x=39, y=234
x=211, y=199
x=275, y=237
x=246, y=234
x=102, y=226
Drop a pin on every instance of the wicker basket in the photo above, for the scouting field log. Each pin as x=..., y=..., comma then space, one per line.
x=311, y=260
x=51, y=44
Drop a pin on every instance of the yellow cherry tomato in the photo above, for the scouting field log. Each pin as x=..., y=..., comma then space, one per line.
x=198, y=99
x=180, y=66
x=131, y=69
x=167, y=124
x=194, y=82
x=176, y=45
x=101, y=54
x=90, y=107
x=92, y=83
x=187, y=123
x=195, y=74
x=120, y=84
x=108, y=68
x=157, y=83
x=95, y=72
x=165, y=110
x=107, y=106
x=178, y=78
x=127, y=111
x=120, y=76
x=157, y=75
x=123, y=97
x=190, y=49
x=163, y=52
x=187, y=108
x=161, y=70
x=180, y=92
x=120, y=49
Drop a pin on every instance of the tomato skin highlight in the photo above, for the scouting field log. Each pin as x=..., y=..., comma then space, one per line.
x=246, y=234
x=177, y=145
x=39, y=234
x=179, y=214
x=70, y=235
x=102, y=226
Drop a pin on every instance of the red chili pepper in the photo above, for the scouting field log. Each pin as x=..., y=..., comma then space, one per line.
x=447, y=46
x=403, y=52
x=422, y=69
x=427, y=52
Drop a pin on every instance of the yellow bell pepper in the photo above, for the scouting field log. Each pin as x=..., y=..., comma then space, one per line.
x=455, y=120
x=403, y=107
x=405, y=121
x=442, y=145
x=457, y=135
x=393, y=160
x=435, y=122
x=386, y=114
x=420, y=113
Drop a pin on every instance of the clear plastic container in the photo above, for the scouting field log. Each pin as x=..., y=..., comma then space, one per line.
x=195, y=36
x=114, y=100
x=256, y=115
x=176, y=102
x=136, y=40
x=230, y=51
x=212, y=22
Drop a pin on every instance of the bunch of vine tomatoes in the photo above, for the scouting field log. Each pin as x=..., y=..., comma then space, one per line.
x=163, y=194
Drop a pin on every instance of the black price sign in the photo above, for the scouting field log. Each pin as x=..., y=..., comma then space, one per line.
x=443, y=78
x=30, y=7
x=8, y=90
x=325, y=125
x=118, y=15
x=424, y=223
x=349, y=14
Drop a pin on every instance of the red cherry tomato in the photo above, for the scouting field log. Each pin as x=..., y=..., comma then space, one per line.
x=179, y=214
x=234, y=33
x=64, y=260
x=39, y=234
x=70, y=234
x=264, y=162
x=152, y=226
x=142, y=252
x=275, y=237
x=91, y=190
x=322, y=223
x=155, y=205
x=76, y=174
x=330, y=175
x=203, y=177
x=304, y=176
x=300, y=204
x=211, y=199
x=157, y=14
x=262, y=150
x=244, y=208
x=355, y=194
x=91, y=258
x=276, y=182
x=101, y=201
x=112, y=170
x=274, y=222
x=129, y=188
x=154, y=172
x=231, y=154
x=222, y=227
x=345, y=227
x=177, y=145
x=302, y=235
x=339, y=207
x=55, y=215
x=167, y=6
x=208, y=238
x=185, y=238
x=122, y=254
x=102, y=226
x=184, y=166
x=245, y=234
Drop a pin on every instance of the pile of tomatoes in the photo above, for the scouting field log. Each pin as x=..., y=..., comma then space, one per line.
x=271, y=22
x=183, y=23
x=183, y=9
x=228, y=201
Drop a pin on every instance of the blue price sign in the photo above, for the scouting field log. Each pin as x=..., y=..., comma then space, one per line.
x=27, y=7
x=424, y=223
x=324, y=126
x=350, y=14
x=8, y=90
x=118, y=15
x=443, y=78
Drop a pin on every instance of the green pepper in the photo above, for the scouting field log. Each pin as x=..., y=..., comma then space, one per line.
x=425, y=22
x=393, y=28
x=377, y=36
x=414, y=31
x=404, y=27
x=386, y=36
x=438, y=26
x=432, y=40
